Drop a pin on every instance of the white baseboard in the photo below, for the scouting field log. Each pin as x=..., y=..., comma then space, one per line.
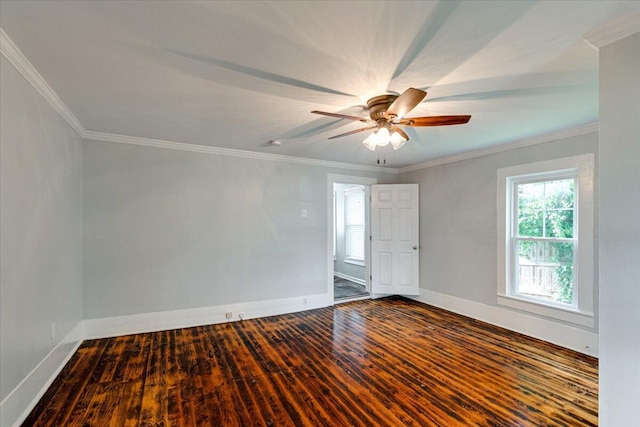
x=351, y=278
x=566, y=336
x=167, y=320
x=31, y=389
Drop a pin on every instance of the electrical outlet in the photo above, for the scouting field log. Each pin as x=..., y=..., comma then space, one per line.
x=304, y=301
x=229, y=315
x=53, y=330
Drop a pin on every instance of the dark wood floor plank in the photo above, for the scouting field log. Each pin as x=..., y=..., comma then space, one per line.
x=128, y=396
x=154, y=409
x=390, y=362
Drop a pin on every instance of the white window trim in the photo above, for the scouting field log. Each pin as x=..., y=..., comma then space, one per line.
x=582, y=312
x=354, y=261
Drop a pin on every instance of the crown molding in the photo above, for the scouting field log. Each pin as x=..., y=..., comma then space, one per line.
x=566, y=133
x=9, y=50
x=613, y=31
x=172, y=145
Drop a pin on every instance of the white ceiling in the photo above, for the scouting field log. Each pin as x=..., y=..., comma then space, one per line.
x=238, y=74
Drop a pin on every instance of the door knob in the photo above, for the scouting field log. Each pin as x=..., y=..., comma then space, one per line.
x=415, y=247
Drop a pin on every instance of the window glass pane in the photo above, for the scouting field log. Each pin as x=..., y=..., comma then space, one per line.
x=531, y=196
x=545, y=270
x=530, y=223
x=559, y=194
x=559, y=223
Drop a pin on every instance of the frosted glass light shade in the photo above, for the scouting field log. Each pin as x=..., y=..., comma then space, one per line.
x=382, y=137
x=370, y=142
x=397, y=140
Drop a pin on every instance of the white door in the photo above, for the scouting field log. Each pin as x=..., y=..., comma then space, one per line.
x=395, y=246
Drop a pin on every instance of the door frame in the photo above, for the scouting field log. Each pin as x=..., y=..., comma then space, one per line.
x=346, y=179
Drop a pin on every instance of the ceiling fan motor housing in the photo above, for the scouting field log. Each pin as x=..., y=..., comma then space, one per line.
x=378, y=106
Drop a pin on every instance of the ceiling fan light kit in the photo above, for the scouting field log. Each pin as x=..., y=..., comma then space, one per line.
x=387, y=113
x=382, y=137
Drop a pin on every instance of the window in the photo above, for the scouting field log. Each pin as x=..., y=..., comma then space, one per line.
x=354, y=224
x=545, y=255
x=335, y=224
x=543, y=241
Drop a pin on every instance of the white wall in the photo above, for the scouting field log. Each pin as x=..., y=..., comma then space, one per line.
x=340, y=266
x=40, y=232
x=458, y=211
x=169, y=230
x=620, y=232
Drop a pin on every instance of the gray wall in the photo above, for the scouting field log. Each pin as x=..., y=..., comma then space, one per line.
x=167, y=229
x=339, y=266
x=40, y=228
x=620, y=232
x=458, y=235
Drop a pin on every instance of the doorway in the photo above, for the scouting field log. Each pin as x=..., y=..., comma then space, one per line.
x=348, y=234
x=349, y=264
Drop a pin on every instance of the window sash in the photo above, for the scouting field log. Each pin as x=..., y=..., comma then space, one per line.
x=514, y=285
x=549, y=291
x=542, y=179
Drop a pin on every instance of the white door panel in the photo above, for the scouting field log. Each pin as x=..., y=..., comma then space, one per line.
x=385, y=225
x=394, y=239
x=385, y=261
x=406, y=225
x=406, y=269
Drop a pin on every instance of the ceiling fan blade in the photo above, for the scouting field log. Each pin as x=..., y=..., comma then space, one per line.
x=353, y=131
x=400, y=131
x=342, y=116
x=435, y=121
x=405, y=103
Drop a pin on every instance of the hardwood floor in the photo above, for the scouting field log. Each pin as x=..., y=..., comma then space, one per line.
x=383, y=362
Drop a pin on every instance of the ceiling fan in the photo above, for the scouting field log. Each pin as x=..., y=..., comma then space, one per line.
x=387, y=114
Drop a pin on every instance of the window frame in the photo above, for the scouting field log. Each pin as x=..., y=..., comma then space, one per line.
x=581, y=168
